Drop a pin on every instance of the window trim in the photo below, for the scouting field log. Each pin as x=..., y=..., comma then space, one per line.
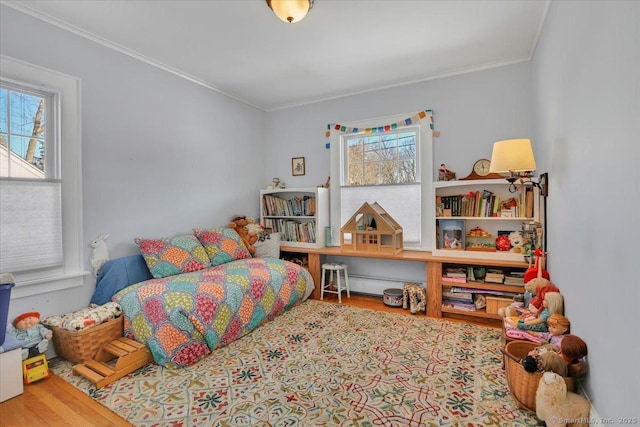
x=69, y=132
x=336, y=156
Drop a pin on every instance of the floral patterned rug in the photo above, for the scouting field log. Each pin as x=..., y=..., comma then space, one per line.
x=323, y=364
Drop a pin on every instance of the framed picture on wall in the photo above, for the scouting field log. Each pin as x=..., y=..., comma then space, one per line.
x=297, y=166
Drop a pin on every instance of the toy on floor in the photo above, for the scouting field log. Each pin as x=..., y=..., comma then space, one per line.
x=414, y=297
x=34, y=336
x=35, y=369
x=35, y=342
x=556, y=406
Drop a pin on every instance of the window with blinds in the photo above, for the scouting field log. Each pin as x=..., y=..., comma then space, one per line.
x=30, y=188
x=384, y=168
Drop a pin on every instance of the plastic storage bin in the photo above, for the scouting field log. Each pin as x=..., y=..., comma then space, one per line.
x=5, y=297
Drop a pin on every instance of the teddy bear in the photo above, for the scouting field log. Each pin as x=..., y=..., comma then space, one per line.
x=248, y=230
x=557, y=406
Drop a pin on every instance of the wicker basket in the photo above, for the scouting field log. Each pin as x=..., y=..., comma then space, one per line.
x=522, y=384
x=81, y=346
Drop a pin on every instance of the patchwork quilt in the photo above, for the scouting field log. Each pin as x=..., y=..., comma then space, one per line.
x=182, y=318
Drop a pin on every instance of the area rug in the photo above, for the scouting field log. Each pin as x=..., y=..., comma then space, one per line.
x=323, y=364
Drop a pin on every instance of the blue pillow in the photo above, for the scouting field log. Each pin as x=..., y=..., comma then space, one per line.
x=117, y=274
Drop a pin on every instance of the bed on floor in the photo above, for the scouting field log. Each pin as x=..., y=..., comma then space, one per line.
x=186, y=296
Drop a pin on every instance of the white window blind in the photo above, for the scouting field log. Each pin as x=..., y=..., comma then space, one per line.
x=402, y=202
x=31, y=218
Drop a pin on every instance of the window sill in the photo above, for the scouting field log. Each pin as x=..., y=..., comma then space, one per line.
x=50, y=284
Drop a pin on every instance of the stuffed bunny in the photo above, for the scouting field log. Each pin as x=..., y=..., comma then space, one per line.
x=100, y=253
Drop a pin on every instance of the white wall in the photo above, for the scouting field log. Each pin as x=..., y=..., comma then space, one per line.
x=160, y=154
x=471, y=111
x=587, y=99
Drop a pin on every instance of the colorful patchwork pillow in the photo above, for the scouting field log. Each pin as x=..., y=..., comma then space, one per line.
x=223, y=245
x=168, y=257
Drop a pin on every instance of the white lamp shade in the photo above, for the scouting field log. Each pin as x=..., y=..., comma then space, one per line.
x=290, y=11
x=512, y=155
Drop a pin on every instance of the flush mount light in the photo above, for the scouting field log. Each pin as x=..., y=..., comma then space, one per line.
x=290, y=11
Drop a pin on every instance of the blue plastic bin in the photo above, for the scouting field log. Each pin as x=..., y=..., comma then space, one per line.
x=5, y=297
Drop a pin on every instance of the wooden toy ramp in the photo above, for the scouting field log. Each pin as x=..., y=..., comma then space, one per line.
x=130, y=356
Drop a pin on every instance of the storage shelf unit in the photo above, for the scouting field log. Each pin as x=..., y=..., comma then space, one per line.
x=300, y=215
x=491, y=224
x=436, y=271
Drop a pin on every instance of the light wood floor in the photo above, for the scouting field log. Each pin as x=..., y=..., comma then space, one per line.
x=54, y=402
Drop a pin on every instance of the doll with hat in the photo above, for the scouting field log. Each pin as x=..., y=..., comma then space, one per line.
x=34, y=336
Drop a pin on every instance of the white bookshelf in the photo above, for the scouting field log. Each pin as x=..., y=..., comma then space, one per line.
x=285, y=220
x=492, y=225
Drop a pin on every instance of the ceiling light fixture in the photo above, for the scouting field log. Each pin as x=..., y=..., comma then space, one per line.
x=290, y=11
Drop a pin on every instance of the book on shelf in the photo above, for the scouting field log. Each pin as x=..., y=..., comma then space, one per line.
x=454, y=279
x=458, y=305
x=455, y=272
x=514, y=279
x=458, y=296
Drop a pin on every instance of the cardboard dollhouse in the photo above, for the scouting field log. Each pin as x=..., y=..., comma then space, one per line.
x=371, y=229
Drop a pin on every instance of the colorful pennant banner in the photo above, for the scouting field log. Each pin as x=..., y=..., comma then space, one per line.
x=386, y=128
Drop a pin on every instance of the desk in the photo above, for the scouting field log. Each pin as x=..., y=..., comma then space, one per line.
x=433, y=273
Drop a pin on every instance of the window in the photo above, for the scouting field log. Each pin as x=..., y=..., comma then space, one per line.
x=388, y=158
x=40, y=212
x=389, y=167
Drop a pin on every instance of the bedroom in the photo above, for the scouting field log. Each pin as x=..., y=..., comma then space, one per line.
x=577, y=99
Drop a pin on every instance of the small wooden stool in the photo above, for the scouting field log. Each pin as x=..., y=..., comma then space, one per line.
x=130, y=355
x=329, y=287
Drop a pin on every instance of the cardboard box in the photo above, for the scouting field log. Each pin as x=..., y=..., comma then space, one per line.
x=494, y=303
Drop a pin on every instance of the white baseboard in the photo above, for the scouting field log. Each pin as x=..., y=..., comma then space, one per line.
x=594, y=419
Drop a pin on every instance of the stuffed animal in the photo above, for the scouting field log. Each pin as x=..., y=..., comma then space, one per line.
x=558, y=407
x=248, y=230
x=100, y=253
x=518, y=242
x=566, y=359
x=414, y=297
x=445, y=174
x=28, y=329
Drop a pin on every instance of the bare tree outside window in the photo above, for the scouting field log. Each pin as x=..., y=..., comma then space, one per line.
x=22, y=134
x=385, y=158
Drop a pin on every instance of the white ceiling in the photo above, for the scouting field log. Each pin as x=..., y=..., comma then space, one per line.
x=342, y=47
